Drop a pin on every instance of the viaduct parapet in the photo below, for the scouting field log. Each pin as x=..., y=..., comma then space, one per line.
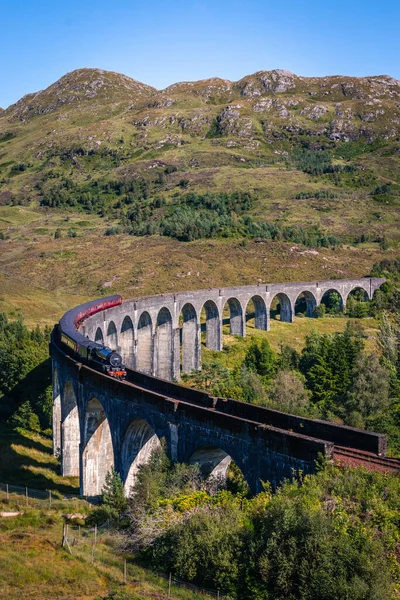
x=99, y=423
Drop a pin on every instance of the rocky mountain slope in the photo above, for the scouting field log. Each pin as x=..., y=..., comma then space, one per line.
x=313, y=152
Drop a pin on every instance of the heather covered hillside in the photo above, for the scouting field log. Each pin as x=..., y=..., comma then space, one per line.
x=275, y=177
x=254, y=157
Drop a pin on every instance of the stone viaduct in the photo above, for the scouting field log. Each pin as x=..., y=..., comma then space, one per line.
x=99, y=422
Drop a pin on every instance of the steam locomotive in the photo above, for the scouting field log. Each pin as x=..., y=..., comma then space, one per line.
x=96, y=356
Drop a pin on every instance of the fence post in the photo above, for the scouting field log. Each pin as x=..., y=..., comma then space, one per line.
x=26, y=495
x=169, y=587
x=125, y=570
x=92, y=552
x=7, y=496
x=65, y=542
x=95, y=534
x=50, y=497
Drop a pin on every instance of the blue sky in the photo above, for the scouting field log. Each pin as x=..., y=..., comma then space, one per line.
x=162, y=42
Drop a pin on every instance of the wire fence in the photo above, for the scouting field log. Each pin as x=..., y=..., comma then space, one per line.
x=30, y=493
x=85, y=543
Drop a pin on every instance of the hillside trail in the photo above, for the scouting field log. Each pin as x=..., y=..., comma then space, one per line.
x=389, y=180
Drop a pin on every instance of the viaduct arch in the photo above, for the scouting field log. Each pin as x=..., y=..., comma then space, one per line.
x=101, y=423
x=161, y=335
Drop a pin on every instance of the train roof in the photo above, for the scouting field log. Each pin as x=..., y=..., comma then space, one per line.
x=71, y=320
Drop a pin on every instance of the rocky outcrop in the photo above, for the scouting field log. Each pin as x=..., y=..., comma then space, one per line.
x=277, y=81
x=231, y=122
x=82, y=85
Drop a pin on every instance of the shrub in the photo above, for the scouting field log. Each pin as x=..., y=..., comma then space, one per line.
x=319, y=311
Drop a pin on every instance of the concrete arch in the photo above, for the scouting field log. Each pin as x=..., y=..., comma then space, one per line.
x=138, y=443
x=70, y=432
x=236, y=319
x=164, y=349
x=213, y=325
x=285, y=307
x=98, y=452
x=127, y=341
x=260, y=312
x=112, y=336
x=325, y=299
x=191, y=357
x=56, y=419
x=144, y=353
x=213, y=462
x=310, y=302
x=99, y=338
x=359, y=288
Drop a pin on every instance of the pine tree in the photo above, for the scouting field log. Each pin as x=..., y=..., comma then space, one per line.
x=267, y=365
x=261, y=359
x=113, y=492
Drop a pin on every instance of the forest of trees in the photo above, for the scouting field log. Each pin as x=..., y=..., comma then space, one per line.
x=25, y=375
x=144, y=205
x=142, y=209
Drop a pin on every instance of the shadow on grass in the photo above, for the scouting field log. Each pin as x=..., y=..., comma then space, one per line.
x=17, y=468
x=15, y=437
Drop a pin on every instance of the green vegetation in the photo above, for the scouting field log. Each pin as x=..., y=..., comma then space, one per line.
x=25, y=385
x=26, y=459
x=113, y=496
x=313, y=162
x=330, y=536
x=134, y=166
x=332, y=378
x=34, y=564
x=142, y=210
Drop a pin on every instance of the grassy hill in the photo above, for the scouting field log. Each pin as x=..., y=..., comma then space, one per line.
x=274, y=177
x=105, y=143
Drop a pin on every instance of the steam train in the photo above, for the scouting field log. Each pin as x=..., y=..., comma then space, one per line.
x=97, y=356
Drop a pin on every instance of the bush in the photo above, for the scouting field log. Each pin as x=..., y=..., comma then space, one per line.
x=331, y=537
x=356, y=309
x=313, y=162
x=319, y=311
x=203, y=549
x=288, y=392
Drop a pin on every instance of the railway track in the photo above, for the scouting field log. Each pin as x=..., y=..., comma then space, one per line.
x=351, y=457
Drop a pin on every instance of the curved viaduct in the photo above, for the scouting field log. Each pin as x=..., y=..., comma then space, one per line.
x=99, y=422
